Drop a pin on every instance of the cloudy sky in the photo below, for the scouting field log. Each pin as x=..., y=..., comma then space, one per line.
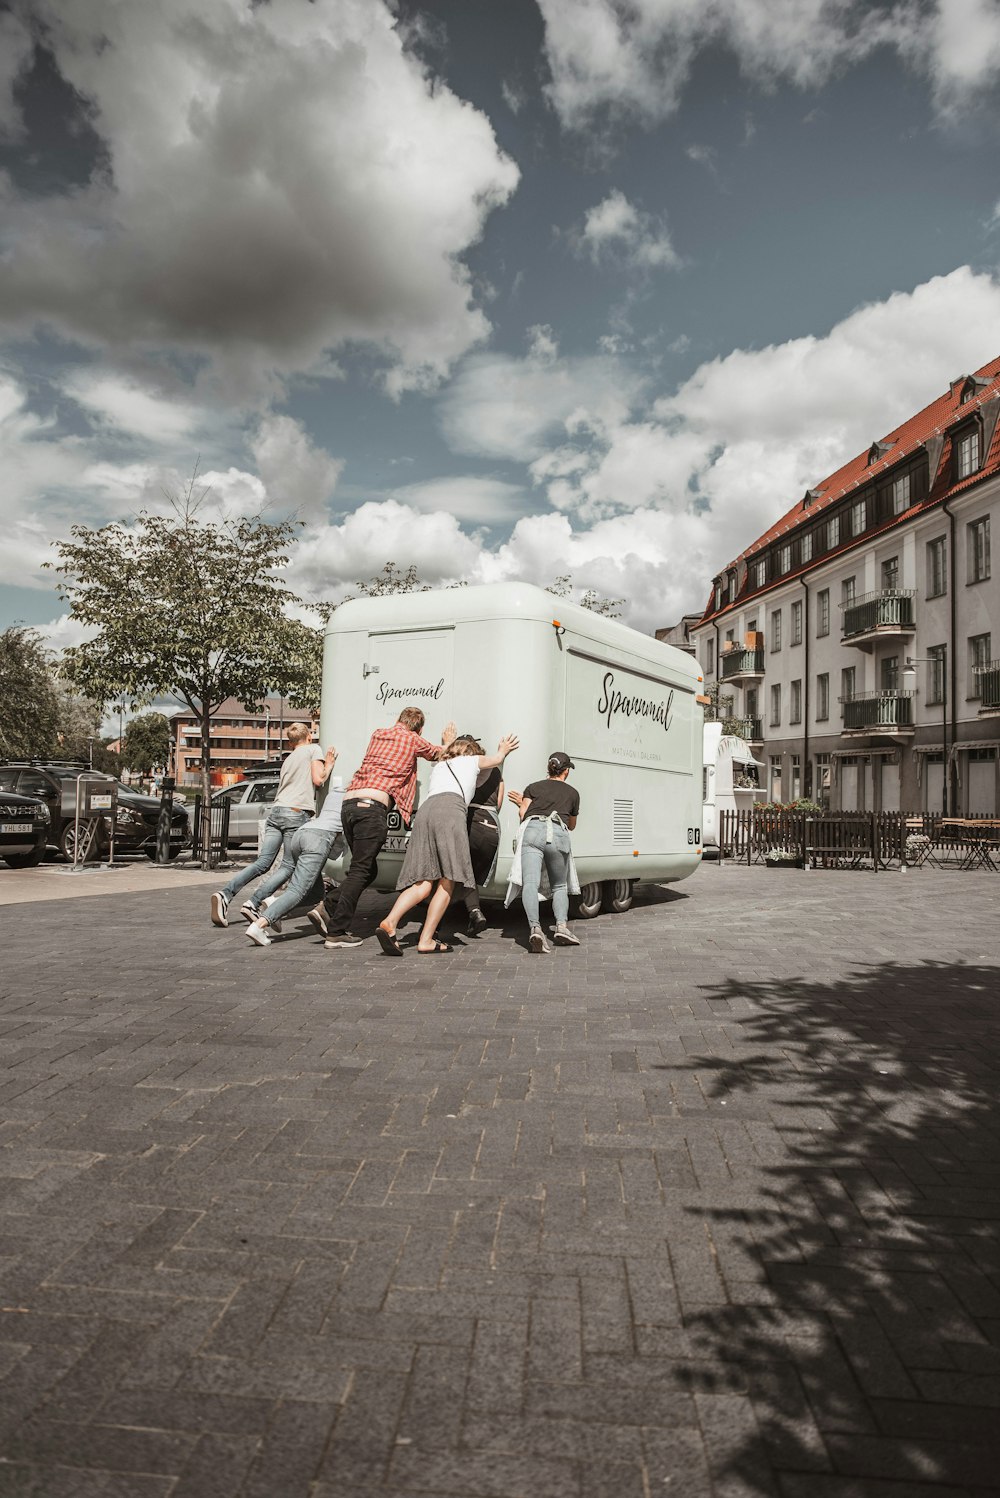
x=502, y=288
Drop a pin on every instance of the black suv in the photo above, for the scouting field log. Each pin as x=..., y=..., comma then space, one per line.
x=24, y=829
x=54, y=781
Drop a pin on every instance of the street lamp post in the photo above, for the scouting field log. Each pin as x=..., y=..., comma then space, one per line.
x=941, y=661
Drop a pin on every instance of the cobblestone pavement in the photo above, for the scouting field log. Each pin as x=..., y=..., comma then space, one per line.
x=706, y=1206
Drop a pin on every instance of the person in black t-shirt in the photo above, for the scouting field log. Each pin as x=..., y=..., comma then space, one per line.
x=550, y=809
x=484, y=840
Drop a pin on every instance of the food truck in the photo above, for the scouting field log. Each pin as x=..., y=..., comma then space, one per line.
x=510, y=657
x=730, y=780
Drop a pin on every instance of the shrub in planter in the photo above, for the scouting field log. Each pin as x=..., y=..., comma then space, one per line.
x=782, y=858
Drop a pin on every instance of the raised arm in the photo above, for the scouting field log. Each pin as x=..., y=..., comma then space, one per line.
x=506, y=746
x=322, y=769
x=448, y=736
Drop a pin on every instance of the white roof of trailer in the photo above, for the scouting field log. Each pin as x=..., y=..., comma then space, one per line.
x=503, y=601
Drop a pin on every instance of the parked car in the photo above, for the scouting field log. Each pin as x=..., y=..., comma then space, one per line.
x=54, y=782
x=247, y=800
x=24, y=829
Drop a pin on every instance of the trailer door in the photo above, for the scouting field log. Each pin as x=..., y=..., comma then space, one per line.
x=410, y=668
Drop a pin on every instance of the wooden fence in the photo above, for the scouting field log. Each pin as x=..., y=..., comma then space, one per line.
x=872, y=839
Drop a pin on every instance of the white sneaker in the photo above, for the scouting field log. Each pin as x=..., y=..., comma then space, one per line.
x=219, y=907
x=563, y=937
x=256, y=933
x=318, y=917
x=537, y=942
x=274, y=925
x=249, y=911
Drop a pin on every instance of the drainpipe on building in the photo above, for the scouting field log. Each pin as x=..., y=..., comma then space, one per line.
x=952, y=687
x=718, y=669
x=806, y=765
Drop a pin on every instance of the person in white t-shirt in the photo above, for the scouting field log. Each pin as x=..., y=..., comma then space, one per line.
x=438, y=849
x=303, y=771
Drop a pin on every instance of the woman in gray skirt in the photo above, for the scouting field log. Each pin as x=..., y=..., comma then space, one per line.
x=438, y=849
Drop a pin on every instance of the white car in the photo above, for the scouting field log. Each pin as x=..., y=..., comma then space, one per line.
x=248, y=800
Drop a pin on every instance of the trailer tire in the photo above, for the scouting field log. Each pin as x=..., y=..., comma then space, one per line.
x=618, y=894
x=588, y=902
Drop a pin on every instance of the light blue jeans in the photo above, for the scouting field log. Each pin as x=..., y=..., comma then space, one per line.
x=281, y=825
x=535, y=851
x=309, y=850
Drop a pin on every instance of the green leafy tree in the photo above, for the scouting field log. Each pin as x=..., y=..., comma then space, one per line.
x=29, y=697
x=183, y=607
x=147, y=743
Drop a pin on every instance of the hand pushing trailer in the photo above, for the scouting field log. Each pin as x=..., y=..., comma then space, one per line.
x=511, y=657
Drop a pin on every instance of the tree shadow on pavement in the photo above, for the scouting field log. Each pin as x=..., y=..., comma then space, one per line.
x=857, y=1236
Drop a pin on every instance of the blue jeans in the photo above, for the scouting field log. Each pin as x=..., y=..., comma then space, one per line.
x=555, y=855
x=309, y=849
x=282, y=823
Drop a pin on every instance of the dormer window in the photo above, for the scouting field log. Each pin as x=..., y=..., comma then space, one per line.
x=859, y=517
x=760, y=574
x=968, y=387
x=832, y=532
x=878, y=450
x=810, y=497
x=784, y=559
x=718, y=595
x=806, y=546
x=967, y=453
x=901, y=491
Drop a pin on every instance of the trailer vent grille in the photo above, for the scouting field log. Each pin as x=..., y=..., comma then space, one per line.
x=623, y=821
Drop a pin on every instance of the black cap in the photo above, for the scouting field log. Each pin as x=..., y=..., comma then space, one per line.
x=562, y=761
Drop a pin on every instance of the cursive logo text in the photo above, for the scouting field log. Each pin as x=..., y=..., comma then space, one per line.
x=613, y=701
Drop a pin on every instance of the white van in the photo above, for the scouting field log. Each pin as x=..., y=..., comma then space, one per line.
x=511, y=657
x=730, y=780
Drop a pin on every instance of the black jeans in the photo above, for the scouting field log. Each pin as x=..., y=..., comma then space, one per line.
x=366, y=829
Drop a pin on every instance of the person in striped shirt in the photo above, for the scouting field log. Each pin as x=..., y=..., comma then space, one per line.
x=387, y=778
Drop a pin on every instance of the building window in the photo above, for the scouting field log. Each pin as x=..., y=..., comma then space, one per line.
x=718, y=596
x=760, y=574
x=823, y=780
x=889, y=673
x=732, y=587
x=935, y=675
x=978, y=549
x=967, y=454
x=730, y=636
x=979, y=655
x=784, y=559
x=806, y=546
x=832, y=532
x=709, y=657
x=776, y=706
x=775, y=791
x=859, y=517
x=846, y=685
x=823, y=697
x=775, y=630
x=847, y=591
x=823, y=611
x=795, y=710
x=937, y=577
x=796, y=778
x=751, y=702
x=901, y=495
x=890, y=574
x=797, y=623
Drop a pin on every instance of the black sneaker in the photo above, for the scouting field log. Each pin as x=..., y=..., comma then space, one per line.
x=219, y=907
x=343, y=939
x=477, y=923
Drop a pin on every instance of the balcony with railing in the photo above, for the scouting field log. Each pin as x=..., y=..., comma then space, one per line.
x=988, y=682
x=885, y=615
x=742, y=665
x=878, y=712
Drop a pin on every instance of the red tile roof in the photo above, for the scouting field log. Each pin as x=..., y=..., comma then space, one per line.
x=902, y=442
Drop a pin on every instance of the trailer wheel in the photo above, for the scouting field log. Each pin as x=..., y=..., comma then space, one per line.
x=588, y=901
x=618, y=894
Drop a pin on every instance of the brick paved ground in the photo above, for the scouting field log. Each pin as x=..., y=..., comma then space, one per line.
x=709, y=1206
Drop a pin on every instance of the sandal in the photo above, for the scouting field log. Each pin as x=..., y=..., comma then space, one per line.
x=439, y=946
x=387, y=941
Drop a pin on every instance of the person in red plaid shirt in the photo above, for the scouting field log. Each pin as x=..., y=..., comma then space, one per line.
x=387, y=778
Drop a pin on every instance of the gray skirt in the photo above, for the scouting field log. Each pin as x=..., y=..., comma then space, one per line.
x=439, y=843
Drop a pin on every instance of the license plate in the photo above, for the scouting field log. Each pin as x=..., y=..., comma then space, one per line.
x=396, y=843
x=16, y=827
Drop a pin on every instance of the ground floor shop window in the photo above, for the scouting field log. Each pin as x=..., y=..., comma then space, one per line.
x=775, y=778
x=981, y=778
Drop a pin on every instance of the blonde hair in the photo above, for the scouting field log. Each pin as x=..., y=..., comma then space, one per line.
x=297, y=733
x=458, y=747
x=411, y=718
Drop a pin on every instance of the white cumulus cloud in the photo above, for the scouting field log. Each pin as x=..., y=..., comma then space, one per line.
x=615, y=229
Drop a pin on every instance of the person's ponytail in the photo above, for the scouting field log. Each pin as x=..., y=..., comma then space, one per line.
x=555, y=767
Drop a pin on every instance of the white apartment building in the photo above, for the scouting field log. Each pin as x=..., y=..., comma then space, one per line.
x=809, y=630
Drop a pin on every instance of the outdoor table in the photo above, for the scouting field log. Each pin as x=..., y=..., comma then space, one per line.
x=977, y=839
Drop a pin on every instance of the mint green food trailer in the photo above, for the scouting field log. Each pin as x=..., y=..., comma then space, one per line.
x=509, y=657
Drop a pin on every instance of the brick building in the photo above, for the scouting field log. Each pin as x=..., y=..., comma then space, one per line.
x=808, y=631
x=240, y=738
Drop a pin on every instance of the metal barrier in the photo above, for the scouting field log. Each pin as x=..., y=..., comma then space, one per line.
x=218, y=834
